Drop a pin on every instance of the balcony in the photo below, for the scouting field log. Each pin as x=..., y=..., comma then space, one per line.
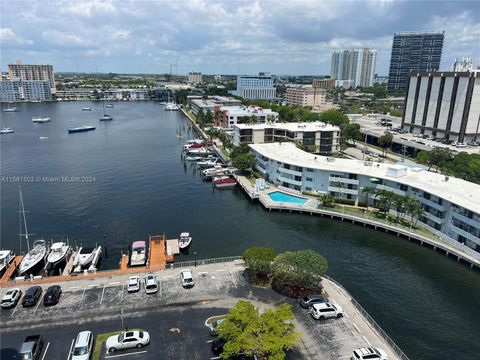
x=465, y=234
x=430, y=203
x=290, y=171
x=290, y=181
x=434, y=218
x=466, y=220
x=343, y=190
x=388, y=188
x=334, y=179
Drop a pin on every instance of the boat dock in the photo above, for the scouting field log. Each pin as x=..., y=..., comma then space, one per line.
x=161, y=253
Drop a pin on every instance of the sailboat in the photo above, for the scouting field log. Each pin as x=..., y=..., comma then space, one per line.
x=105, y=117
x=35, y=258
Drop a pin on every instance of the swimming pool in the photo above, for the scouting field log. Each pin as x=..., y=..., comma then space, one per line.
x=283, y=197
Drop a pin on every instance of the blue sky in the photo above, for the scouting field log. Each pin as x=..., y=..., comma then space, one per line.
x=227, y=37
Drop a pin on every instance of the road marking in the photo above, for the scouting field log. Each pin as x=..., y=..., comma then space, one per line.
x=93, y=285
x=210, y=341
x=202, y=273
x=168, y=277
x=233, y=279
x=114, y=283
x=15, y=309
x=103, y=293
x=74, y=287
x=221, y=270
x=214, y=358
x=344, y=357
x=356, y=327
x=346, y=315
x=81, y=299
x=123, y=290
x=45, y=353
x=119, y=355
x=38, y=304
x=71, y=348
x=368, y=342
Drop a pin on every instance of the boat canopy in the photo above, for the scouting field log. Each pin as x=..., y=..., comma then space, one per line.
x=57, y=245
x=184, y=234
x=138, y=244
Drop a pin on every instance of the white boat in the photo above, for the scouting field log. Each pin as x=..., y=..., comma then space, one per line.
x=6, y=257
x=35, y=258
x=58, y=253
x=199, y=152
x=11, y=109
x=184, y=241
x=43, y=137
x=37, y=119
x=6, y=131
x=109, y=105
x=209, y=163
x=193, y=158
x=87, y=258
x=105, y=116
x=138, y=254
x=171, y=106
x=215, y=171
x=87, y=109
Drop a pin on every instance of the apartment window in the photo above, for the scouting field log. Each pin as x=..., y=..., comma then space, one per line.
x=309, y=179
x=309, y=170
x=403, y=187
x=426, y=195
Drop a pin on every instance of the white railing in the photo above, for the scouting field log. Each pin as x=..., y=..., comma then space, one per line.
x=371, y=321
x=197, y=262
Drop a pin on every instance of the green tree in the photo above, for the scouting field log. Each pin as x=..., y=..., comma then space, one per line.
x=400, y=204
x=209, y=117
x=258, y=261
x=300, y=269
x=351, y=131
x=384, y=200
x=414, y=208
x=385, y=141
x=268, y=335
x=368, y=191
x=333, y=117
x=243, y=162
x=327, y=200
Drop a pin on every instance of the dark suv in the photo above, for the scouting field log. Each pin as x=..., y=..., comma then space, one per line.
x=52, y=295
x=32, y=295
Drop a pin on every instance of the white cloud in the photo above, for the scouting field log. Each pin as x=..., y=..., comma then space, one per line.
x=61, y=38
x=7, y=36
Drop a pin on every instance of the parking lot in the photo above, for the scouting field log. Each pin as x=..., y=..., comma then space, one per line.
x=174, y=317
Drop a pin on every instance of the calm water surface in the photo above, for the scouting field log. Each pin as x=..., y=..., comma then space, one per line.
x=136, y=184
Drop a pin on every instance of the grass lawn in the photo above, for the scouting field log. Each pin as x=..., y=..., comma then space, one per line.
x=100, y=340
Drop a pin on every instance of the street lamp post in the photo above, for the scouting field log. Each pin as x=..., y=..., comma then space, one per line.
x=195, y=254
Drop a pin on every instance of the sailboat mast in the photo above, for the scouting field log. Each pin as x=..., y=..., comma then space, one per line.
x=24, y=219
x=20, y=220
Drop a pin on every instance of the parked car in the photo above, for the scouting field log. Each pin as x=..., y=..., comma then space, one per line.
x=431, y=137
x=32, y=295
x=187, y=278
x=369, y=353
x=213, y=326
x=31, y=348
x=11, y=297
x=127, y=340
x=133, y=284
x=473, y=143
x=326, y=311
x=83, y=348
x=311, y=299
x=150, y=282
x=217, y=346
x=461, y=145
x=52, y=296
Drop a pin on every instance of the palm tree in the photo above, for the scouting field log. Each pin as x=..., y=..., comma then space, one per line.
x=400, y=202
x=368, y=191
x=415, y=209
x=384, y=199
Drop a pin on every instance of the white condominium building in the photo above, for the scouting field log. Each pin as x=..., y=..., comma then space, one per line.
x=194, y=78
x=20, y=71
x=451, y=205
x=357, y=65
x=226, y=117
x=29, y=90
x=255, y=87
x=306, y=96
x=444, y=104
x=316, y=137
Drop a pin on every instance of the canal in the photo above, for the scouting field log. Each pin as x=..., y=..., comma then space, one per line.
x=126, y=180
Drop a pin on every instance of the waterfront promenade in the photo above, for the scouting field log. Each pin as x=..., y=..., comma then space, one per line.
x=444, y=245
x=219, y=284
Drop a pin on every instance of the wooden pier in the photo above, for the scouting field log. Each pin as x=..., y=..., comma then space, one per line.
x=11, y=268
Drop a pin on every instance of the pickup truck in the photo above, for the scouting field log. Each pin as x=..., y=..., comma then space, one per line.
x=31, y=348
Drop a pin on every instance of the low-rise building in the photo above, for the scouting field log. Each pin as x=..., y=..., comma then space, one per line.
x=25, y=90
x=316, y=137
x=194, y=78
x=346, y=84
x=226, y=117
x=451, y=205
x=198, y=103
x=326, y=84
x=306, y=96
x=255, y=87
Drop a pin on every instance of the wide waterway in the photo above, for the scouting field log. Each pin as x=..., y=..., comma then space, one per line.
x=126, y=179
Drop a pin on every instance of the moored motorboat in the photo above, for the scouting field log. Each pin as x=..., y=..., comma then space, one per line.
x=193, y=158
x=224, y=182
x=184, y=241
x=81, y=129
x=106, y=117
x=6, y=131
x=109, y=105
x=87, y=109
x=11, y=109
x=35, y=259
x=59, y=252
x=138, y=254
x=40, y=120
x=6, y=257
x=87, y=258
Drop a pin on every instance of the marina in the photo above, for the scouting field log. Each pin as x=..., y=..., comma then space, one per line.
x=135, y=182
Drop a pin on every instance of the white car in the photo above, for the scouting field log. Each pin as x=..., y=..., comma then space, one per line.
x=369, y=353
x=187, y=278
x=151, y=286
x=133, y=284
x=83, y=348
x=326, y=310
x=127, y=340
x=11, y=297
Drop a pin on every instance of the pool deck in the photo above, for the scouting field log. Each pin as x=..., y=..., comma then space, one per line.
x=451, y=249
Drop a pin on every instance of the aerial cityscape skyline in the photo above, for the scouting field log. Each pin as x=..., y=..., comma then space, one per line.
x=223, y=37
